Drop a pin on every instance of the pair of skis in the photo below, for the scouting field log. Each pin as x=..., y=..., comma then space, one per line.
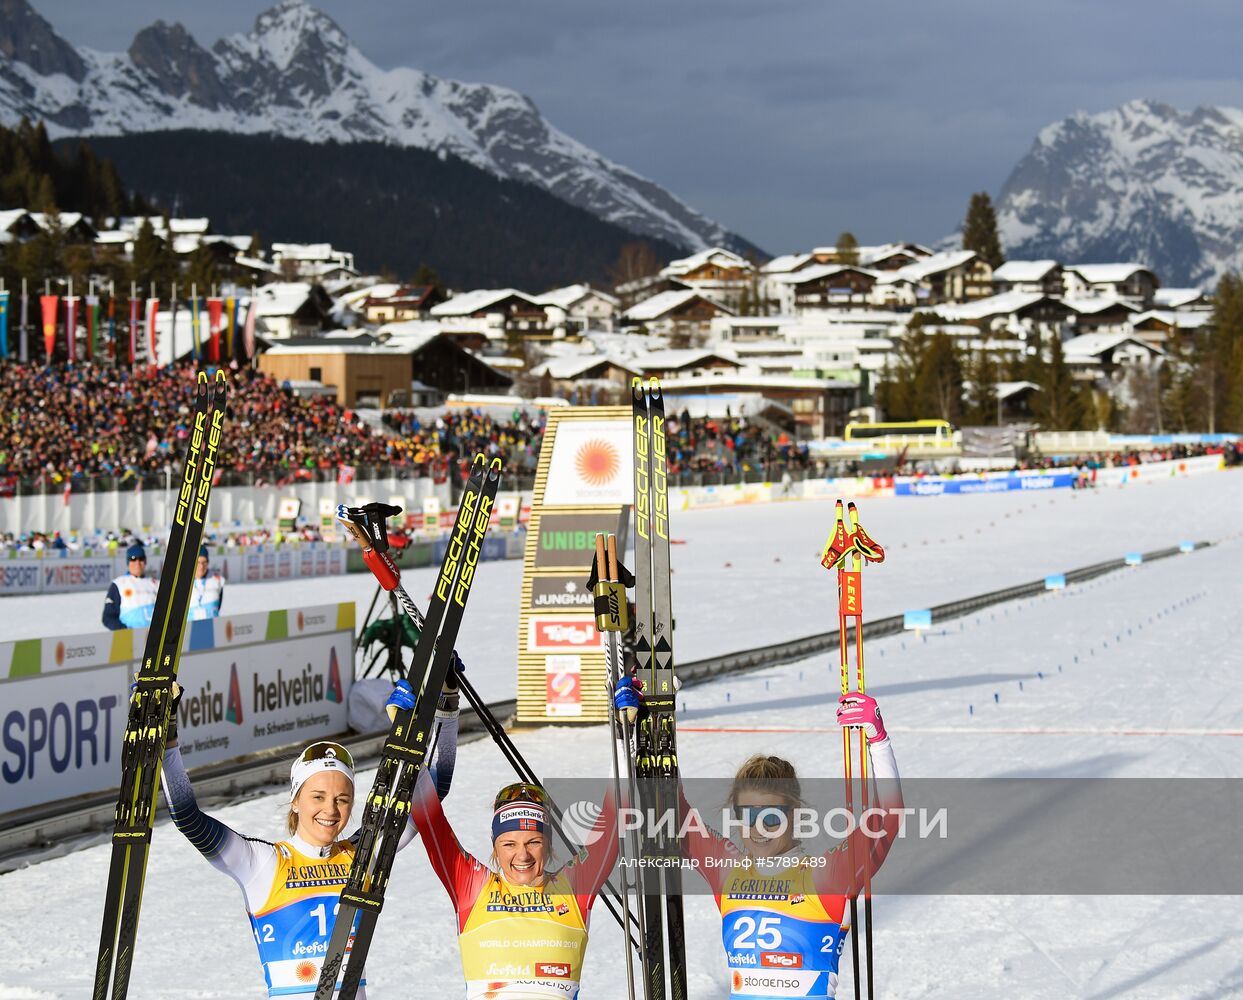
x=146, y=729
x=656, y=745
x=845, y=551
x=388, y=804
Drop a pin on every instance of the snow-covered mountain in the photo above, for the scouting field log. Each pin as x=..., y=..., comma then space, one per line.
x=297, y=75
x=1144, y=182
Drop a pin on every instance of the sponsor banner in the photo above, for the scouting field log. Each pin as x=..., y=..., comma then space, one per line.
x=568, y=541
x=560, y=592
x=1010, y=482
x=60, y=576
x=30, y=657
x=591, y=464
x=563, y=680
x=61, y=737
x=20, y=577
x=1159, y=470
x=563, y=633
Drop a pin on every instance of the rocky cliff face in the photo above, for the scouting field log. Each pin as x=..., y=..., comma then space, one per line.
x=1144, y=182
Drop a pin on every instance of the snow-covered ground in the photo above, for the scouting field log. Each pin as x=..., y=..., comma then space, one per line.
x=745, y=577
x=1156, y=691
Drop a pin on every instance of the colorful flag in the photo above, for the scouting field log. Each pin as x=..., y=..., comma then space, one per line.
x=195, y=327
x=4, y=324
x=71, y=327
x=172, y=331
x=248, y=339
x=133, y=328
x=112, y=327
x=230, y=327
x=153, y=307
x=68, y=490
x=92, y=325
x=214, y=306
x=48, y=304
x=25, y=353
x=345, y=475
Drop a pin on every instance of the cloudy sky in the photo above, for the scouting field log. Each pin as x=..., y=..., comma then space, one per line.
x=787, y=120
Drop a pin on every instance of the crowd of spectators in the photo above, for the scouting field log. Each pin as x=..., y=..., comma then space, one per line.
x=732, y=445
x=31, y=543
x=64, y=424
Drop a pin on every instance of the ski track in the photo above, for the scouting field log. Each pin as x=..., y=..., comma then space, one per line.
x=1178, y=668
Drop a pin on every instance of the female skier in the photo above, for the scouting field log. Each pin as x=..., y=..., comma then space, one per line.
x=783, y=913
x=291, y=887
x=522, y=928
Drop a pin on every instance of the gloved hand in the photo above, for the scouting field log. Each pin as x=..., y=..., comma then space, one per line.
x=401, y=698
x=628, y=698
x=456, y=666
x=857, y=709
x=448, y=704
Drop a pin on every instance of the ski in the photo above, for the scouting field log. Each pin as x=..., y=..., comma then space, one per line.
x=388, y=803
x=656, y=752
x=142, y=751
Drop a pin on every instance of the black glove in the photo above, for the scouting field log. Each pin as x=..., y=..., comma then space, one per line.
x=170, y=735
x=449, y=691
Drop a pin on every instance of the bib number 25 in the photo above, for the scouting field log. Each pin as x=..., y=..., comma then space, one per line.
x=765, y=935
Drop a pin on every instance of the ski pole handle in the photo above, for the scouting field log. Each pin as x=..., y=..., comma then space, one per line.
x=612, y=546
x=380, y=563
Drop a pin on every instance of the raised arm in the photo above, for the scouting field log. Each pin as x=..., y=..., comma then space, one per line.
x=241, y=858
x=443, y=760
x=462, y=874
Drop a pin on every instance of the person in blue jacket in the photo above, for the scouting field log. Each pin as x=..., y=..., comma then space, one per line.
x=131, y=597
x=207, y=592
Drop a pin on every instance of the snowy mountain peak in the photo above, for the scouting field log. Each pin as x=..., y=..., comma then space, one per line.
x=1145, y=182
x=297, y=74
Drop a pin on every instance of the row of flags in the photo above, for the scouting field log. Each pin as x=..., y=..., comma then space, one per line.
x=220, y=327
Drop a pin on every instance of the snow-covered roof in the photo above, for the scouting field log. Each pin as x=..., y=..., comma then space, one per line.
x=113, y=237
x=935, y=264
x=747, y=379
x=671, y=360
x=1093, y=345
x=1089, y=304
x=573, y=367
x=66, y=219
x=716, y=405
x=786, y=263
x=1007, y=389
x=240, y=243
x=305, y=251
x=1173, y=298
x=570, y=295
x=188, y=226
x=818, y=272
x=11, y=215
x=479, y=300
x=186, y=244
x=1192, y=319
x=1106, y=274
x=281, y=298
x=872, y=254
x=665, y=302
x=712, y=255
x=1024, y=270
x=993, y=305
x=410, y=334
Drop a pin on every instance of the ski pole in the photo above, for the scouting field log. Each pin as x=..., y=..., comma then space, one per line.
x=836, y=552
x=862, y=547
x=611, y=615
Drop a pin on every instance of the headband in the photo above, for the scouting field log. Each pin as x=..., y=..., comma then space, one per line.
x=518, y=816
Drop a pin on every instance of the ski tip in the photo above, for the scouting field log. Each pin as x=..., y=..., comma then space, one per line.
x=202, y=380
x=636, y=389
x=653, y=387
x=494, y=468
x=479, y=461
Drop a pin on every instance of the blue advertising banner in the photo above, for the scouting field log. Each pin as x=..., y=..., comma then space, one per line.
x=930, y=486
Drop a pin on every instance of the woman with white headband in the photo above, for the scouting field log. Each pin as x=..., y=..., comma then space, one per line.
x=291, y=886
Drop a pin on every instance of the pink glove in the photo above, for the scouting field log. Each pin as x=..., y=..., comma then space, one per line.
x=861, y=710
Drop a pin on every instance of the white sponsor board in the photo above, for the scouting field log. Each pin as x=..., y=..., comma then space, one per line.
x=60, y=735
x=1159, y=470
x=592, y=465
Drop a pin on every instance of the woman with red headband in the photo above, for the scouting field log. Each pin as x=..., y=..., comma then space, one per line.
x=522, y=926
x=291, y=886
